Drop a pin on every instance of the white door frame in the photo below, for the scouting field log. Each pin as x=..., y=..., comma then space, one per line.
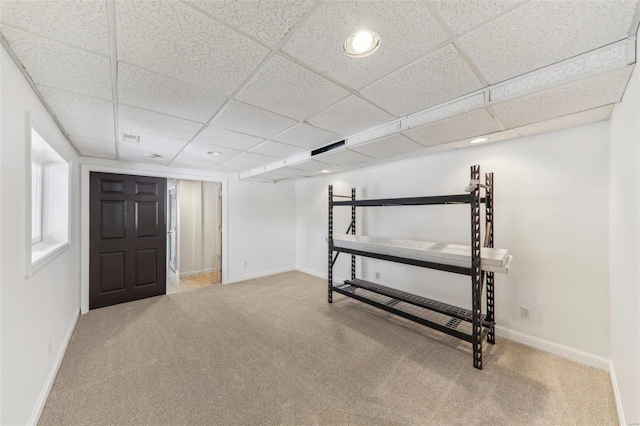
x=85, y=172
x=177, y=236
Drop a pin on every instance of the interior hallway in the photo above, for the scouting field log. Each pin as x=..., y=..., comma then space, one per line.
x=176, y=284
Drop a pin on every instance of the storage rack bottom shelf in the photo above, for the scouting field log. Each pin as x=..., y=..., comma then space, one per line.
x=446, y=318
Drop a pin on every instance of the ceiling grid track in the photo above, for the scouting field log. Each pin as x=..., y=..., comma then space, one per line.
x=27, y=77
x=248, y=80
x=113, y=49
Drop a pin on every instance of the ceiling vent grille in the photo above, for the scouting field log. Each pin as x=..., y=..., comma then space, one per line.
x=327, y=148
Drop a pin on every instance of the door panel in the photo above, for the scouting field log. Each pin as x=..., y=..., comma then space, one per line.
x=127, y=241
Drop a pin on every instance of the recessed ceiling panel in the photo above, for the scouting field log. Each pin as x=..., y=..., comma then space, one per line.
x=291, y=90
x=94, y=147
x=578, y=119
x=462, y=15
x=306, y=136
x=582, y=95
x=79, y=107
x=152, y=143
x=177, y=41
x=343, y=157
x=276, y=149
x=227, y=138
x=250, y=120
x=136, y=121
x=268, y=21
x=387, y=147
x=350, y=116
x=203, y=151
x=407, y=31
x=196, y=160
x=81, y=24
x=86, y=129
x=437, y=78
x=475, y=123
x=155, y=92
x=62, y=67
x=244, y=161
x=136, y=152
x=544, y=32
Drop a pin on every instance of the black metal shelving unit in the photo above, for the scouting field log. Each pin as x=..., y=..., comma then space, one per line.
x=470, y=325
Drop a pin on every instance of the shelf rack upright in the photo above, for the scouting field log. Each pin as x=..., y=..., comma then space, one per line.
x=446, y=318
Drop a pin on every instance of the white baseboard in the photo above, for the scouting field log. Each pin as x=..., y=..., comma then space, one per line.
x=48, y=383
x=616, y=394
x=260, y=274
x=318, y=274
x=567, y=352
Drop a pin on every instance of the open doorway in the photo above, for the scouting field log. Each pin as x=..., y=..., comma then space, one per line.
x=194, y=234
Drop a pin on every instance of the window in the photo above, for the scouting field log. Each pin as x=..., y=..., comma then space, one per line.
x=37, y=186
x=49, y=186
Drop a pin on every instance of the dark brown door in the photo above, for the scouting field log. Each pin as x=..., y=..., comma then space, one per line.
x=127, y=238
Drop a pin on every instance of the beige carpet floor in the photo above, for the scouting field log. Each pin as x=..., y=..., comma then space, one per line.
x=272, y=351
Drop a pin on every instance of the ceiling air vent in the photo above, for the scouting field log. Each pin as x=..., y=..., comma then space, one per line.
x=130, y=138
x=327, y=148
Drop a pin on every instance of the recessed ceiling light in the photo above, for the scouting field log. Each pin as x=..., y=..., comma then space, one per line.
x=130, y=138
x=214, y=153
x=151, y=155
x=326, y=171
x=478, y=140
x=362, y=43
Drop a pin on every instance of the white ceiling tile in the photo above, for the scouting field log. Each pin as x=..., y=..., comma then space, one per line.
x=86, y=129
x=56, y=65
x=582, y=95
x=227, y=138
x=407, y=31
x=350, y=116
x=177, y=41
x=578, y=119
x=202, y=150
x=276, y=149
x=156, y=143
x=437, y=78
x=248, y=119
x=462, y=15
x=291, y=90
x=544, y=32
x=464, y=143
x=313, y=166
x=136, y=152
x=244, y=161
x=79, y=107
x=95, y=147
x=306, y=136
x=475, y=123
x=136, y=121
x=81, y=24
x=343, y=157
x=268, y=21
x=390, y=146
x=283, y=173
x=148, y=90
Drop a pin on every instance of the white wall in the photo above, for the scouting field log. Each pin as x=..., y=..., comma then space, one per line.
x=550, y=212
x=624, y=240
x=44, y=306
x=263, y=231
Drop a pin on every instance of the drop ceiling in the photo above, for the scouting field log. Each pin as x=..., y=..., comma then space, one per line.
x=262, y=83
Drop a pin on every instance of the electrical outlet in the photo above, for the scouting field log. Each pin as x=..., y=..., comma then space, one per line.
x=377, y=275
x=49, y=346
x=524, y=312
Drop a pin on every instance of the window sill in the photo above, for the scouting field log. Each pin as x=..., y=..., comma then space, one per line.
x=43, y=253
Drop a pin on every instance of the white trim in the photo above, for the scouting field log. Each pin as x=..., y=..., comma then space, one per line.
x=616, y=394
x=567, y=352
x=48, y=383
x=260, y=274
x=85, y=172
